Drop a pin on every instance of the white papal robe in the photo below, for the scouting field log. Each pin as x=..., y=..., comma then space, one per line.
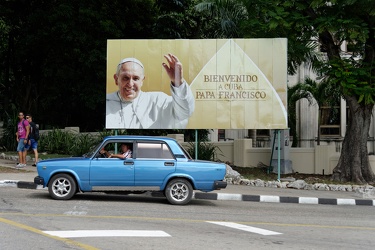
x=151, y=110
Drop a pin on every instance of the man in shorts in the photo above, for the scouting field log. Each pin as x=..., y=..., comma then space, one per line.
x=32, y=142
x=23, y=131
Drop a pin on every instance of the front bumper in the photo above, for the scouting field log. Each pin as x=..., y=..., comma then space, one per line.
x=219, y=185
x=39, y=180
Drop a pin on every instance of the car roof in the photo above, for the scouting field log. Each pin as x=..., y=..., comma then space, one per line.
x=139, y=137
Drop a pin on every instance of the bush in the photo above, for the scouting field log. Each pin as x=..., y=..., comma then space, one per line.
x=206, y=151
x=8, y=140
x=63, y=142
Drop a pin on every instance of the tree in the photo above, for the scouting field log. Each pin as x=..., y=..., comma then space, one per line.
x=176, y=20
x=225, y=15
x=326, y=95
x=330, y=25
x=334, y=23
x=352, y=22
x=54, y=56
x=296, y=93
x=357, y=86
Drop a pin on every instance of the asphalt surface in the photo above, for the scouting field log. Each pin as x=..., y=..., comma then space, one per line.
x=25, y=179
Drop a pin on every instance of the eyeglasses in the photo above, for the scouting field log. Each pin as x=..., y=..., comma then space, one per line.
x=27, y=117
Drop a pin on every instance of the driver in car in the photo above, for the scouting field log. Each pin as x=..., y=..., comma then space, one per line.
x=125, y=149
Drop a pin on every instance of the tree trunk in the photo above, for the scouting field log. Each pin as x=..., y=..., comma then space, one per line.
x=354, y=165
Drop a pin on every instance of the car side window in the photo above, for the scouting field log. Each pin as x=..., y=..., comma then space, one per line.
x=114, y=150
x=153, y=151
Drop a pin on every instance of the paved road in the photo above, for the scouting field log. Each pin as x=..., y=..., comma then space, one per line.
x=30, y=219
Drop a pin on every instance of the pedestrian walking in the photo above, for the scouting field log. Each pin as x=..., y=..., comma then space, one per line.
x=23, y=131
x=33, y=138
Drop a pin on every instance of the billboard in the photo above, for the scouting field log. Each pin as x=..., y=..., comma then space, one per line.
x=224, y=84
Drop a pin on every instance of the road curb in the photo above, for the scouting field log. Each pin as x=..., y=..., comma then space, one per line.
x=283, y=199
x=233, y=197
x=8, y=183
x=27, y=185
x=20, y=184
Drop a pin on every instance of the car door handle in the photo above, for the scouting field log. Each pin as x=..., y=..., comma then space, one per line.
x=168, y=163
x=128, y=163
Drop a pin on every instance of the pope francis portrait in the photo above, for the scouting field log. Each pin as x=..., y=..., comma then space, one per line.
x=131, y=108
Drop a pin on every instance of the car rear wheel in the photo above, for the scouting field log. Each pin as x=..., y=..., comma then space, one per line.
x=179, y=192
x=62, y=187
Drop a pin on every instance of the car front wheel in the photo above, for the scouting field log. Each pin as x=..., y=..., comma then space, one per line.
x=179, y=192
x=62, y=187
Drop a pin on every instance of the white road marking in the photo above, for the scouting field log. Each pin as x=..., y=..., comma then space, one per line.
x=245, y=228
x=76, y=213
x=108, y=233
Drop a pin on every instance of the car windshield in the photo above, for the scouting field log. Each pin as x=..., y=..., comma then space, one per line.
x=92, y=151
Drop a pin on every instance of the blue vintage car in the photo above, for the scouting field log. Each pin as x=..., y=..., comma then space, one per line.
x=155, y=164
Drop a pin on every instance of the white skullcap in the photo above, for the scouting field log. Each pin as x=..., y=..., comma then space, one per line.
x=131, y=59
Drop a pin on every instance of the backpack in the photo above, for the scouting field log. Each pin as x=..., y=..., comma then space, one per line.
x=36, y=132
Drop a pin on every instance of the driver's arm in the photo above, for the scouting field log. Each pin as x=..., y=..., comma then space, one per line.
x=105, y=152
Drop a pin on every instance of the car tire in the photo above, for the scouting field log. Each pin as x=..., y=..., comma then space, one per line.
x=179, y=191
x=62, y=187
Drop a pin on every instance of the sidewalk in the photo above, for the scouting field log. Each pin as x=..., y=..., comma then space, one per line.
x=25, y=179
